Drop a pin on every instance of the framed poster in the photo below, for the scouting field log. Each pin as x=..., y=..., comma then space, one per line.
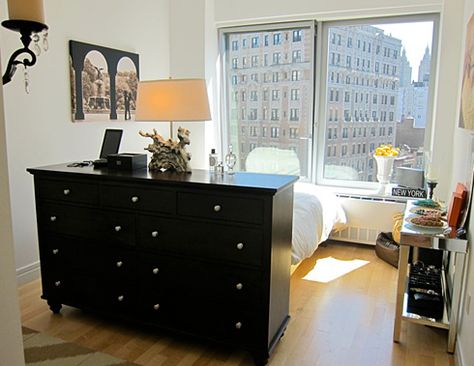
x=103, y=83
x=466, y=119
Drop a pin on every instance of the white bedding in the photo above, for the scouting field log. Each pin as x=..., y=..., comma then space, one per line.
x=315, y=211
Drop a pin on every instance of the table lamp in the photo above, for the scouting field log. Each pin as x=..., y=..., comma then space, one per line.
x=171, y=100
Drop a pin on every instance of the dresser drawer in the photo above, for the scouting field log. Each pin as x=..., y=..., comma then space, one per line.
x=192, y=280
x=70, y=220
x=68, y=191
x=139, y=198
x=120, y=297
x=77, y=290
x=119, y=228
x=221, y=207
x=120, y=265
x=71, y=255
x=202, y=240
x=204, y=318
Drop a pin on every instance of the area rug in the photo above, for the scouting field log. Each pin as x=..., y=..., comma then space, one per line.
x=44, y=350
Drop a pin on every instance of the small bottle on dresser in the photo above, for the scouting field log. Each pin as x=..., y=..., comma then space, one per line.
x=212, y=160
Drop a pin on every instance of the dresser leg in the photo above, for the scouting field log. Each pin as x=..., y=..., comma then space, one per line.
x=260, y=358
x=54, y=307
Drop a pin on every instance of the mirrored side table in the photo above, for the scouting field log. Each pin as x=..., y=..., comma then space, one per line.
x=416, y=237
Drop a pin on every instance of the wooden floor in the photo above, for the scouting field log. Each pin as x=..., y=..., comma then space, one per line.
x=347, y=321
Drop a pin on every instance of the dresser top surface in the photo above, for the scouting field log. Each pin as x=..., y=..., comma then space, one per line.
x=258, y=181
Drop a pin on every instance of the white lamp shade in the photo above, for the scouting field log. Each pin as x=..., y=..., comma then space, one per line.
x=172, y=100
x=26, y=10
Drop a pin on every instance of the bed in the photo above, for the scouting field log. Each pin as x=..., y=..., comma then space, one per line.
x=316, y=212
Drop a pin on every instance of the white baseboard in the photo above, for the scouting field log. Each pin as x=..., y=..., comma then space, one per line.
x=28, y=273
x=458, y=360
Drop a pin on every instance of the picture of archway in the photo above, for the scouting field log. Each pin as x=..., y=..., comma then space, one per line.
x=126, y=88
x=103, y=83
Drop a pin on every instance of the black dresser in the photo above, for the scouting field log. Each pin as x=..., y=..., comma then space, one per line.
x=201, y=254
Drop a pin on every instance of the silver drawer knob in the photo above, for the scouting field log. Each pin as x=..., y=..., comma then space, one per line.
x=66, y=192
x=55, y=251
x=156, y=306
x=119, y=264
x=217, y=208
x=118, y=228
x=240, y=246
x=134, y=199
x=238, y=325
x=57, y=283
x=154, y=234
x=52, y=218
x=239, y=286
x=156, y=270
x=120, y=298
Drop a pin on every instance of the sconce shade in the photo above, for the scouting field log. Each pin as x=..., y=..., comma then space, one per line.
x=172, y=100
x=32, y=10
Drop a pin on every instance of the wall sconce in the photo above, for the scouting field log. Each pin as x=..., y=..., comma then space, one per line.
x=27, y=18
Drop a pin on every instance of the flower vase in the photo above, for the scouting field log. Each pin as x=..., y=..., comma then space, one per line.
x=384, y=172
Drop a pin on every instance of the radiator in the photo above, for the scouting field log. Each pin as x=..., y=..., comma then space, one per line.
x=367, y=217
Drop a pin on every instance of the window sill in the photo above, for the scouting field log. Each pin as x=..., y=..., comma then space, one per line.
x=366, y=194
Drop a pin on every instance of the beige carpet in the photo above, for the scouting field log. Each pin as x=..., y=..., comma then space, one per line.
x=44, y=350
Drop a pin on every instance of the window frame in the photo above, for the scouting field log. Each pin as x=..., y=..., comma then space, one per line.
x=317, y=151
x=226, y=112
x=322, y=61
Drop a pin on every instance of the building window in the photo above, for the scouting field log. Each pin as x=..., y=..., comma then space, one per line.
x=275, y=114
x=293, y=133
x=275, y=94
x=295, y=75
x=296, y=56
x=295, y=94
x=276, y=58
x=294, y=114
x=255, y=42
x=275, y=132
x=276, y=39
x=297, y=35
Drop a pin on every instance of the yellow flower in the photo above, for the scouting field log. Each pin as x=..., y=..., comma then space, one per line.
x=387, y=150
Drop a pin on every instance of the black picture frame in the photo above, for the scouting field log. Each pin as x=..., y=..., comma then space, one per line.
x=104, y=83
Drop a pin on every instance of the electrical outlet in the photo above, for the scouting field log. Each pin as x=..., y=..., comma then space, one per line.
x=468, y=304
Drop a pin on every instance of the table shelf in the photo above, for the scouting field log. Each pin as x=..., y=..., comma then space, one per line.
x=412, y=237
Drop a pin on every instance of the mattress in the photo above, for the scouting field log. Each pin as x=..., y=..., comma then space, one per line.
x=316, y=210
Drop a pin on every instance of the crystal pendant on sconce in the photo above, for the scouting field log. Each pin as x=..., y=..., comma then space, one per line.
x=45, y=41
x=27, y=81
x=36, y=48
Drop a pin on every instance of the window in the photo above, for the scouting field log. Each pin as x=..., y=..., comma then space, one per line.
x=294, y=114
x=295, y=75
x=276, y=39
x=275, y=94
x=296, y=56
x=297, y=34
x=293, y=133
x=361, y=87
x=275, y=132
x=295, y=94
x=381, y=109
x=254, y=42
x=275, y=114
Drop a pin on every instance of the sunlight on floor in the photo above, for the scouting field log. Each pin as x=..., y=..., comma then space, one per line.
x=327, y=269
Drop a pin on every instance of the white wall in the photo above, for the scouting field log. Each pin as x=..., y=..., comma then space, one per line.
x=11, y=347
x=39, y=127
x=462, y=172
x=187, y=60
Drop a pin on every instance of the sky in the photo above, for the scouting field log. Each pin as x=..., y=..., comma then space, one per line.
x=415, y=37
